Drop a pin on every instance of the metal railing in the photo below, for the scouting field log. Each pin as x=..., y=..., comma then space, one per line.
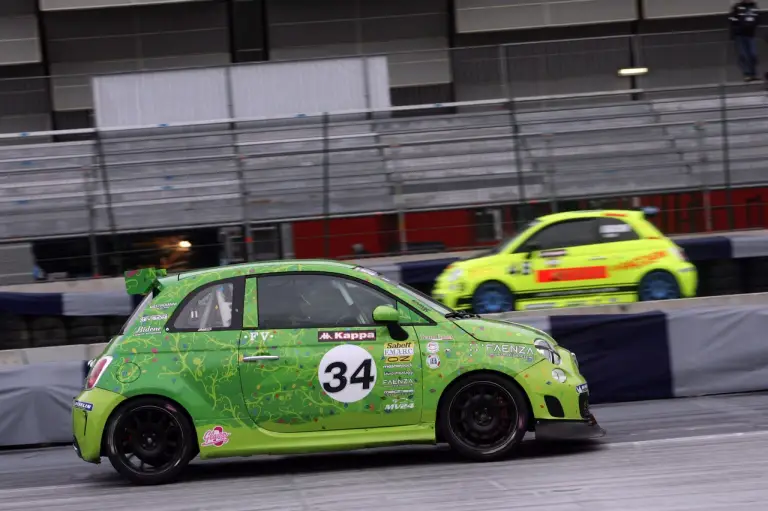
x=246, y=173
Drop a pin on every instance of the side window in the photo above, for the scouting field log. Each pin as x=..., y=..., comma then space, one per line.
x=306, y=301
x=569, y=233
x=209, y=309
x=613, y=229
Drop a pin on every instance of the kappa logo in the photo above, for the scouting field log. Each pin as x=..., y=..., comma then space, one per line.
x=358, y=335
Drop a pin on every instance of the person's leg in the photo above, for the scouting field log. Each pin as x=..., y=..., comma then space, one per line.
x=752, y=54
x=741, y=51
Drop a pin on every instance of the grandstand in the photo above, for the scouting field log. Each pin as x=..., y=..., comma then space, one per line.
x=576, y=129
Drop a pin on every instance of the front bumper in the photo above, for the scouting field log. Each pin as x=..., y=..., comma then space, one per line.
x=585, y=429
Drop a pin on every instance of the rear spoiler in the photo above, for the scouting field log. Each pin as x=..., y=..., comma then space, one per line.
x=143, y=281
x=649, y=211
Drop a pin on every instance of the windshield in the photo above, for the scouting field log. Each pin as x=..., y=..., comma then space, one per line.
x=507, y=241
x=136, y=313
x=426, y=300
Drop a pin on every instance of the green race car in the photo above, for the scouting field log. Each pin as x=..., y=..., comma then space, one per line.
x=308, y=356
x=572, y=259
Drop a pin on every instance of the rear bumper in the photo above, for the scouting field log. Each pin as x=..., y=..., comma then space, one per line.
x=585, y=429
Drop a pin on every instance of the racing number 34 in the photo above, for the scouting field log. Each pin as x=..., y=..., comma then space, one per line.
x=365, y=380
x=347, y=373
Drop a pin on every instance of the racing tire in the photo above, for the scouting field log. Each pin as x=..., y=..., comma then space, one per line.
x=658, y=285
x=484, y=417
x=164, y=442
x=492, y=298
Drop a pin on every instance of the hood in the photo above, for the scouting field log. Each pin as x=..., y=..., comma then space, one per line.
x=496, y=330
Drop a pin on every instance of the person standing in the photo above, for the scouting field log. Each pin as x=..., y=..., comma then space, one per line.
x=745, y=18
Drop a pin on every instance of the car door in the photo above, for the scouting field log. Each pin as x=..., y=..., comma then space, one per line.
x=628, y=254
x=312, y=359
x=562, y=264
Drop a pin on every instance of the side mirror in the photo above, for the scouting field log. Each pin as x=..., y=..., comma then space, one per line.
x=531, y=248
x=386, y=314
x=391, y=318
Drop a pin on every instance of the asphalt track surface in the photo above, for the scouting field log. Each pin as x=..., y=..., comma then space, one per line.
x=708, y=453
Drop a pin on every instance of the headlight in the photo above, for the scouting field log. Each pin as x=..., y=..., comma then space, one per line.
x=547, y=350
x=455, y=275
x=558, y=375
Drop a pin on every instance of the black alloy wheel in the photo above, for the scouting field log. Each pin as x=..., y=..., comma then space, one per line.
x=485, y=417
x=150, y=441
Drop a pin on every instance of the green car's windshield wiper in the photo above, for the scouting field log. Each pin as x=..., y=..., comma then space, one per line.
x=461, y=315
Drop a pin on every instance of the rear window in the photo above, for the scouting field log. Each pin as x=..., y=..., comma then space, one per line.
x=136, y=313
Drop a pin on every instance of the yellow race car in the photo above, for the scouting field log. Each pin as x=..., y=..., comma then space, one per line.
x=569, y=260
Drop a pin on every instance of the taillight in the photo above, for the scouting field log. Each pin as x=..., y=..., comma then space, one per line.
x=96, y=371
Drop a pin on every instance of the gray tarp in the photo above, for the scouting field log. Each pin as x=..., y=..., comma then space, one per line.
x=717, y=350
x=36, y=402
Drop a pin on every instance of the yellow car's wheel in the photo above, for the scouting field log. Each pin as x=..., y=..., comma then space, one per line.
x=658, y=285
x=492, y=297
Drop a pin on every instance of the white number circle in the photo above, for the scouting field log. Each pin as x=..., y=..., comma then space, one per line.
x=347, y=373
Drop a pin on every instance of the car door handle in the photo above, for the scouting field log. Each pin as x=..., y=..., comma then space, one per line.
x=260, y=357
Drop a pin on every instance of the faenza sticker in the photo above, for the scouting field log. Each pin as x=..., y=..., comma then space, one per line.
x=433, y=361
x=84, y=406
x=357, y=335
x=433, y=347
x=510, y=350
x=215, y=437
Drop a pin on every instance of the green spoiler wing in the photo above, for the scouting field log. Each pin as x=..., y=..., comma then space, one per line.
x=143, y=281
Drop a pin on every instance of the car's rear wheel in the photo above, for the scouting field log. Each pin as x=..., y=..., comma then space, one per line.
x=658, y=285
x=492, y=298
x=484, y=417
x=150, y=441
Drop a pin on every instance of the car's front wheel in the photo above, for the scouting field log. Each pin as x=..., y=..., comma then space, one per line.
x=484, y=417
x=150, y=441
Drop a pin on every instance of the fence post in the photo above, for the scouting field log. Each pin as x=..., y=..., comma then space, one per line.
x=240, y=163
x=326, y=187
x=726, y=153
x=704, y=169
x=93, y=246
x=102, y=164
x=506, y=93
x=518, y=160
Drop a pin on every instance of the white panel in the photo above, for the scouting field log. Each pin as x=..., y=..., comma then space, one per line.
x=675, y=8
x=61, y=5
x=19, y=40
x=494, y=15
x=293, y=88
x=160, y=97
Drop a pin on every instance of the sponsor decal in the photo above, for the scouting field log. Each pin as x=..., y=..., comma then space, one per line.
x=398, y=392
x=357, y=335
x=572, y=274
x=553, y=253
x=156, y=317
x=438, y=337
x=581, y=389
x=215, y=437
x=145, y=330
x=553, y=262
x=578, y=292
x=162, y=306
x=83, y=406
x=399, y=373
x=510, y=350
x=612, y=231
x=640, y=261
x=433, y=361
x=397, y=366
x=399, y=382
x=398, y=352
x=433, y=347
x=399, y=406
